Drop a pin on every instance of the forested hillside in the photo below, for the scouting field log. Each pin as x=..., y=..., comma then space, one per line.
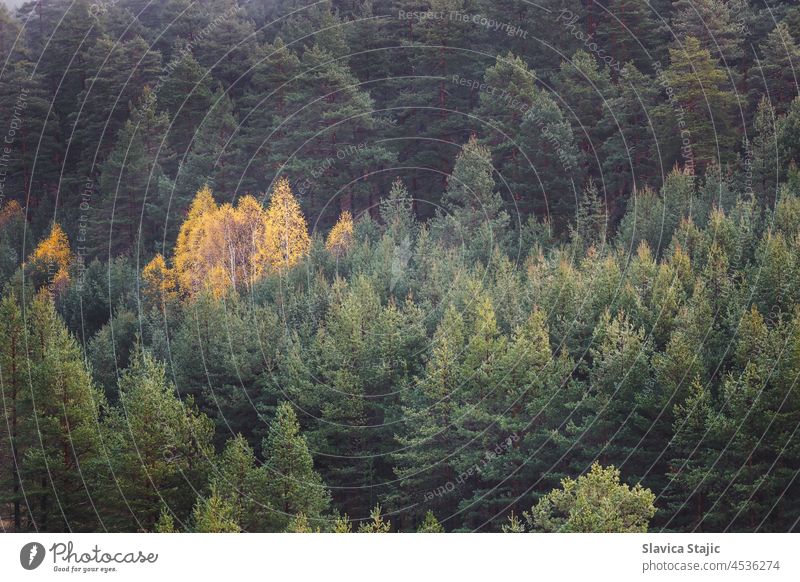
x=386, y=265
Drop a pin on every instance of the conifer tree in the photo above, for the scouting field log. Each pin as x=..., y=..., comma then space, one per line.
x=430, y=524
x=701, y=90
x=63, y=427
x=629, y=153
x=778, y=63
x=214, y=515
x=474, y=219
x=585, y=88
x=159, y=449
x=595, y=502
x=712, y=23
x=185, y=95
x=133, y=189
x=531, y=142
x=16, y=408
x=239, y=483
x=293, y=487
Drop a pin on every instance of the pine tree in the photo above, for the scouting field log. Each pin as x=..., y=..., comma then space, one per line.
x=788, y=129
x=63, y=430
x=712, y=23
x=531, y=142
x=424, y=463
x=780, y=55
x=630, y=33
x=595, y=502
x=133, y=193
x=158, y=449
x=474, y=219
x=226, y=355
x=585, y=87
x=215, y=152
x=326, y=136
x=377, y=523
x=293, y=486
x=761, y=155
x=16, y=408
x=185, y=95
x=630, y=151
x=622, y=379
x=227, y=47
x=361, y=350
x=239, y=483
x=32, y=125
x=116, y=73
x=430, y=524
x=308, y=25
x=701, y=91
x=265, y=114
x=214, y=515
x=421, y=95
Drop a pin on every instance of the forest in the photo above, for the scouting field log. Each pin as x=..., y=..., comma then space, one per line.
x=400, y=266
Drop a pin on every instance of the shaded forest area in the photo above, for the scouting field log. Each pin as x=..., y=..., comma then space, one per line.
x=448, y=265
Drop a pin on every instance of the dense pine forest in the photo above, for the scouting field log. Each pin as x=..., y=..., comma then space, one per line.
x=400, y=266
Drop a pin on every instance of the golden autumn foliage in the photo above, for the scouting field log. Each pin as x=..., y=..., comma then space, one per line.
x=186, y=262
x=287, y=231
x=340, y=239
x=158, y=282
x=222, y=247
x=54, y=256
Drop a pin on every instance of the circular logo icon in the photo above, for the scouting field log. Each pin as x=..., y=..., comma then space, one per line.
x=31, y=555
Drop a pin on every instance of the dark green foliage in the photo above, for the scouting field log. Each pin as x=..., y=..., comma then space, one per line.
x=571, y=286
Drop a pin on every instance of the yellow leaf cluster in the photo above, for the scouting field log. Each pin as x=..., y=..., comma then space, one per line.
x=287, y=232
x=54, y=254
x=158, y=282
x=221, y=247
x=340, y=239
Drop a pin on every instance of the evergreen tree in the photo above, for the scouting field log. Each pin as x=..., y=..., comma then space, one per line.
x=629, y=154
x=632, y=34
x=531, y=142
x=116, y=74
x=712, y=23
x=780, y=55
x=595, y=502
x=239, y=483
x=158, y=449
x=16, y=409
x=225, y=48
x=134, y=190
x=761, y=155
x=214, y=154
x=701, y=91
x=474, y=219
x=325, y=139
x=293, y=487
x=585, y=87
x=62, y=430
x=185, y=94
